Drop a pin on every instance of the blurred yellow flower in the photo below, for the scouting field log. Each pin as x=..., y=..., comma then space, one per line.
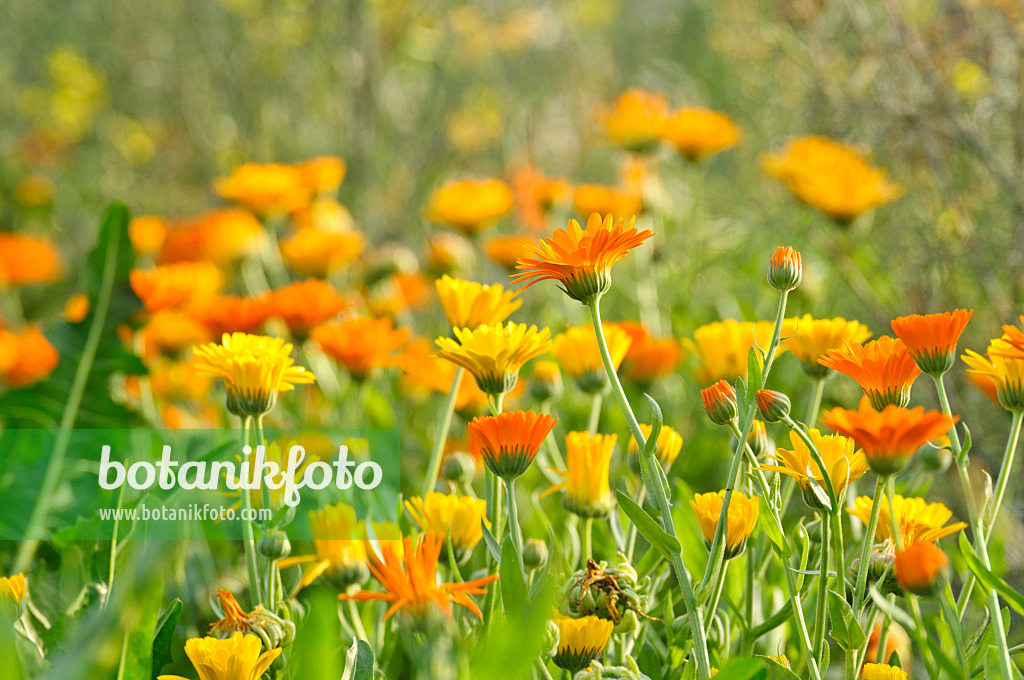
x=457, y=517
x=34, y=191
x=606, y=200
x=13, y=592
x=422, y=370
x=494, y=354
x=237, y=658
x=322, y=174
x=265, y=188
x=670, y=443
x=578, y=353
x=170, y=332
x=470, y=205
x=468, y=304
x=587, y=457
x=340, y=542
x=636, y=119
x=721, y=347
x=742, y=518
x=147, y=234
x=813, y=338
x=313, y=252
x=697, y=133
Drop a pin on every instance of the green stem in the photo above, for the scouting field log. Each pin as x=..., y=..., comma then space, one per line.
x=820, y=616
x=494, y=517
x=716, y=594
x=812, y=411
x=261, y=440
x=949, y=613
x=816, y=456
x=839, y=552
x=588, y=540
x=513, y=521
x=801, y=624
x=595, y=412
x=248, y=537
x=444, y=423
x=1004, y=474
x=866, y=544
x=357, y=622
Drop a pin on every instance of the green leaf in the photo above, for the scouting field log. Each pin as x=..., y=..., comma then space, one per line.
x=846, y=630
x=164, y=636
x=990, y=580
x=657, y=420
x=649, y=527
x=754, y=380
x=773, y=530
x=137, y=658
x=894, y=612
x=950, y=667
x=742, y=669
x=513, y=586
x=316, y=654
x=492, y=543
x=358, y=662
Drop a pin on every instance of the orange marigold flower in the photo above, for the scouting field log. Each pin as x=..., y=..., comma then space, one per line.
x=409, y=576
x=147, y=234
x=265, y=188
x=178, y=381
x=921, y=568
x=605, y=200
x=649, y=357
x=26, y=357
x=535, y=194
x=314, y=252
x=397, y=293
x=698, y=133
x=508, y=442
x=323, y=173
x=305, y=304
x=786, y=269
x=999, y=376
x=361, y=344
x=889, y=437
x=918, y=521
x=1012, y=346
x=581, y=259
x=424, y=371
x=230, y=314
x=831, y=177
x=220, y=236
x=170, y=332
x=813, y=338
x=25, y=260
x=506, y=250
x=173, y=285
x=470, y=205
x=931, y=339
x=883, y=368
x=637, y=118
x=76, y=308
x=719, y=402
x=325, y=214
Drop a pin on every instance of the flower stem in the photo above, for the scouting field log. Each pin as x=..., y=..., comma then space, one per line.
x=441, y=434
x=812, y=411
x=588, y=540
x=1004, y=474
x=248, y=537
x=513, y=521
x=595, y=412
x=820, y=616
x=867, y=542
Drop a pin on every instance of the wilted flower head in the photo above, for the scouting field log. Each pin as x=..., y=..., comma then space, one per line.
x=883, y=368
x=698, y=133
x=742, y=519
x=931, y=339
x=470, y=205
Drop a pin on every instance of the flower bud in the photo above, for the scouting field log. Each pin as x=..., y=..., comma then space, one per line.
x=459, y=467
x=274, y=544
x=598, y=671
x=758, y=441
x=935, y=457
x=719, y=402
x=535, y=553
x=786, y=269
x=773, y=406
x=922, y=568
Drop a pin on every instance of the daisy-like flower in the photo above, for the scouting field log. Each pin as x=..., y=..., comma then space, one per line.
x=699, y=133
x=889, y=437
x=26, y=357
x=843, y=464
x=237, y=658
x=409, y=577
x=173, y=285
x=997, y=374
x=509, y=441
x=587, y=456
x=607, y=200
x=636, y=120
x=742, y=519
x=648, y=357
x=813, y=338
x=254, y=369
x=1013, y=339
x=361, y=344
x=918, y=520
x=536, y=194
x=423, y=372
x=468, y=304
x=340, y=542
x=719, y=402
x=931, y=339
x=317, y=252
x=221, y=236
x=26, y=260
x=305, y=304
x=883, y=368
x=458, y=517
x=721, y=347
x=921, y=568
x=580, y=641
x=577, y=351
x=581, y=259
x=831, y=177
x=322, y=174
x=230, y=314
x=470, y=205
x=494, y=354
x=13, y=592
x=170, y=332
x=670, y=443
x=265, y=188
x=881, y=671
x=506, y=250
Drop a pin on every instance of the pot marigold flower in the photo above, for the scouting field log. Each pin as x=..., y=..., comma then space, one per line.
x=741, y=520
x=577, y=351
x=265, y=188
x=457, y=517
x=772, y=406
x=322, y=173
x=889, y=437
x=919, y=521
x=606, y=200
x=340, y=542
x=506, y=250
x=13, y=593
x=698, y=133
x=722, y=347
x=719, y=402
x=831, y=177
x=315, y=252
x=237, y=658
x=921, y=568
x=813, y=338
x=494, y=354
x=509, y=441
x=580, y=641
x=931, y=339
x=230, y=314
x=361, y=344
x=535, y=194
x=425, y=372
x=147, y=234
x=649, y=358
x=785, y=269
x=470, y=205
x=170, y=332
x=670, y=443
x=581, y=259
x=26, y=357
x=25, y=260
x=468, y=304
x=220, y=236
x=270, y=628
x=254, y=369
x=896, y=642
x=409, y=575
x=173, y=285
x=636, y=119
x=881, y=671
x=587, y=458
x=1013, y=342
x=883, y=368
x=842, y=462
x=999, y=376
x=305, y=304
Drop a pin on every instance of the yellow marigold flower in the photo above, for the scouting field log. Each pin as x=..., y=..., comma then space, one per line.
x=883, y=368
x=425, y=372
x=506, y=250
x=325, y=214
x=220, y=236
x=26, y=260
x=26, y=357
x=581, y=259
x=889, y=437
x=411, y=581
x=173, y=285
x=546, y=381
x=265, y=188
x=305, y=304
x=361, y=344
x=719, y=402
x=587, y=457
x=742, y=519
x=831, y=177
x=535, y=194
x=842, y=463
x=494, y=354
x=670, y=443
x=13, y=592
x=76, y=308
x=315, y=252
x=722, y=347
x=577, y=351
x=813, y=338
x=1013, y=342
x=147, y=234
x=580, y=641
x=508, y=442
x=237, y=658
x=636, y=119
x=178, y=381
x=457, y=517
x=323, y=173
x=698, y=133
x=341, y=549
x=171, y=332
x=881, y=671
x=919, y=521
x=998, y=375
x=230, y=314
x=470, y=205
x=254, y=369
x=469, y=304
x=605, y=200
x=931, y=339
x=649, y=358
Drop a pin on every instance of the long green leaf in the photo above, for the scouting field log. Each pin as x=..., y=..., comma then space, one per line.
x=846, y=630
x=649, y=527
x=990, y=580
x=514, y=592
x=164, y=636
x=358, y=662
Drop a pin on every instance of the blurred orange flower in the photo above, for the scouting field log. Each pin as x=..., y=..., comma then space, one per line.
x=397, y=293
x=507, y=249
x=220, y=236
x=605, y=200
x=648, y=357
x=323, y=173
x=422, y=369
x=314, y=252
x=698, y=133
x=230, y=314
x=170, y=332
x=304, y=304
x=26, y=259
x=147, y=234
x=470, y=205
x=535, y=194
x=172, y=285
x=361, y=344
x=636, y=118
x=26, y=357
x=266, y=188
